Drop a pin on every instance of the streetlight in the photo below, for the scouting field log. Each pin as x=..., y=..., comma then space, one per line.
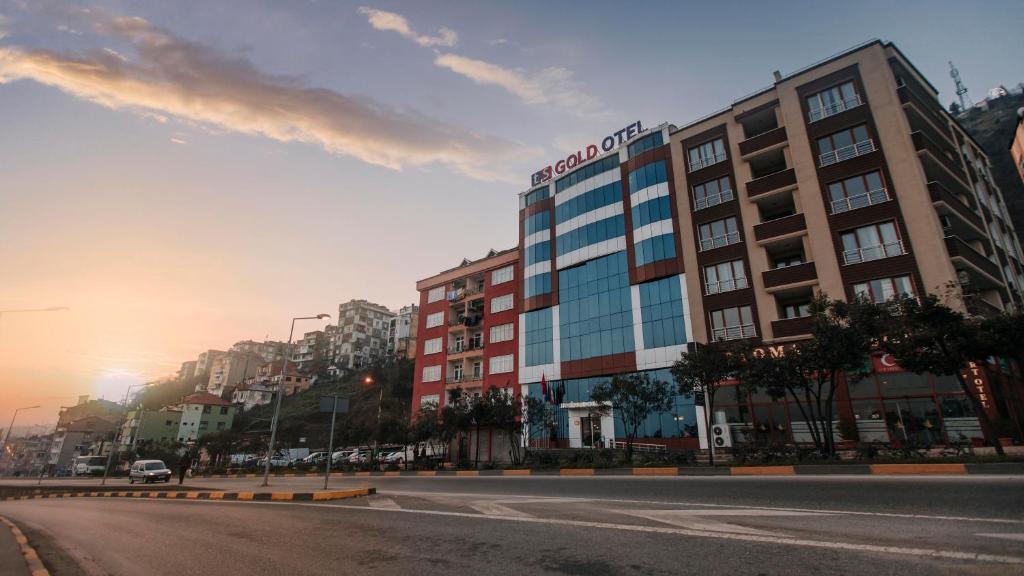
x=280, y=393
x=3, y=447
x=380, y=400
x=120, y=425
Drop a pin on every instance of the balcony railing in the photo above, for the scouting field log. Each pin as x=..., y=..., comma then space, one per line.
x=462, y=379
x=868, y=198
x=816, y=114
x=769, y=182
x=726, y=285
x=734, y=332
x=713, y=199
x=719, y=241
x=870, y=253
x=707, y=161
x=846, y=152
x=462, y=349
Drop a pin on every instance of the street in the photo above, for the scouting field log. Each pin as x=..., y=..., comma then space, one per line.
x=553, y=525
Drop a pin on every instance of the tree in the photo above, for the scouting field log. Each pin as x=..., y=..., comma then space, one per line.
x=702, y=371
x=634, y=397
x=219, y=445
x=506, y=414
x=954, y=108
x=540, y=416
x=930, y=337
x=1004, y=334
x=455, y=420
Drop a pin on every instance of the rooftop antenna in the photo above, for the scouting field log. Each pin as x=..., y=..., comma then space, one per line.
x=961, y=90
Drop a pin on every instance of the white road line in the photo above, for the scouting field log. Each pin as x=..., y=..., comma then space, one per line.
x=494, y=509
x=691, y=522
x=1005, y=536
x=382, y=503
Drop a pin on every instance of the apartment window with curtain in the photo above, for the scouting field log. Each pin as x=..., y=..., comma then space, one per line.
x=884, y=289
x=502, y=333
x=871, y=242
x=732, y=323
x=434, y=320
x=832, y=101
x=706, y=154
x=501, y=303
x=431, y=373
x=501, y=275
x=432, y=346
x=725, y=277
x=857, y=192
x=435, y=294
x=712, y=193
x=843, y=145
x=500, y=364
x=719, y=233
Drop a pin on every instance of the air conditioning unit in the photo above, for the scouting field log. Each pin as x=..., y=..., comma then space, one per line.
x=721, y=436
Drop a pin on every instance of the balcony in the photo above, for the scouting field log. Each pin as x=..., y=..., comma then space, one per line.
x=928, y=110
x=457, y=352
x=733, y=332
x=962, y=251
x=719, y=241
x=922, y=143
x=816, y=114
x=789, y=327
x=464, y=321
x=463, y=379
x=725, y=285
x=869, y=198
x=786, y=275
x=764, y=140
x=869, y=253
x=713, y=199
x=846, y=152
x=708, y=161
x=780, y=227
x=941, y=195
x=780, y=180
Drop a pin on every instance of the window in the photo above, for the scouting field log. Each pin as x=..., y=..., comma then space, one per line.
x=648, y=175
x=500, y=364
x=595, y=308
x=432, y=373
x=656, y=248
x=719, y=233
x=539, y=252
x=434, y=320
x=884, y=289
x=537, y=222
x=591, y=234
x=654, y=210
x=539, y=346
x=871, y=243
x=501, y=303
x=661, y=313
x=857, y=192
x=832, y=101
x=224, y=410
x=712, y=193
x=537, y=196
x=732, y=323
x=536, y=285
x=435, y=294
x=430, y=400
x=432, y=346
x=588, y=171
x=646, y=143
x=706, y=154
x=502, y=275
x=502, y=333
x=221, y=425
x=588, y=201
x=725, y=277
x=796, y=310
x=844, y=145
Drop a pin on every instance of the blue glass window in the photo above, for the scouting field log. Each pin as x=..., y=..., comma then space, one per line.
x=646, y=143
x=538, y=252
x=657, y=248
x=537, y=222
x=652, y=211
x=596, y=198
x=537, y=284
x=588, y=171
x=647, y=175
x=595, y=312
x=537, y=195
x=591, y=234
x=540, y=337
x=661, y=312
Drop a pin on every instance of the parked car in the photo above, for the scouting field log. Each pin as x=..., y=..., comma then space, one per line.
x=278, y=461
x=315, y=458
x=400, y=456
x=89, y=466
x=359, y=456
x=147, y=471
x=341, y=456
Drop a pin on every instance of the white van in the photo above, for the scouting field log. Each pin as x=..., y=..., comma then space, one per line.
x=89, y=466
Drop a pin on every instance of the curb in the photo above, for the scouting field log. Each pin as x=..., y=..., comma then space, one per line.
x=207, y=495
x=35, y=565
x=865, y=469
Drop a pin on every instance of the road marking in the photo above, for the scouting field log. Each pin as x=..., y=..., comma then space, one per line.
x=1005, y=536
x=690, y=521
x=492, y=508
x=383, y=503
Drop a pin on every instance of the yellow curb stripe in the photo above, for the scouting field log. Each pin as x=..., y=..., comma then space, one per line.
x=576, y=472
x=918, y=469
x=467, y=472
x=656, y=471
x=282, y=496
x=515, y=472
x=392, y=473
x=362, y=473
x=35, y=565
x=216, y=495
x=192, y=495
x=426, y=472
x=245, y=496
x=762, y=471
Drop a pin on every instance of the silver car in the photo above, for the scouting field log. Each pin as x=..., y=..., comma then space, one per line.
x=148, y=471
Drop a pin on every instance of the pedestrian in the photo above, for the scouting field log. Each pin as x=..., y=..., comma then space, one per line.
x=184, y=463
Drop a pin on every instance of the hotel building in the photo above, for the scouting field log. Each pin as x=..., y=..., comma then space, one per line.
x=847, y=177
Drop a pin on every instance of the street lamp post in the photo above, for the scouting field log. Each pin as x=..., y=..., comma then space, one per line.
x=380, y=400
x=7, y=435
x=280, y=393
x=120, y=425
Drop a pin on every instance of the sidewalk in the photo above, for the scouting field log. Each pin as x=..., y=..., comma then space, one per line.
x=12, y=563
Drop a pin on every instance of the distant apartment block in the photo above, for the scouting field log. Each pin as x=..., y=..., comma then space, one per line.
x=310, y=352
x=362, y=334
x=230, y=370
x=402, y=331
x=202, y=413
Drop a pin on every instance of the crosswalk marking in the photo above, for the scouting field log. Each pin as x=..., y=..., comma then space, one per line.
x=495, y=509
x=383, y=503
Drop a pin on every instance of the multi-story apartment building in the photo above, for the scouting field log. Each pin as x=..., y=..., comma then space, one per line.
x=847, y=178
x=402, y=331
x=268, y=351
x=230, y=370
x=187, y=370
x=144, y=425
x=205, y=360
x=362, y=336
x=467, y=328
x=202, y=413
x=310, y=352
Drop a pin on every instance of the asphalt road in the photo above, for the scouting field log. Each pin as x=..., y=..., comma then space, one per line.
x=551, y=525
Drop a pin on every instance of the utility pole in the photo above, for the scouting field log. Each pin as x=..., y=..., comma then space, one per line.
x=961, y=90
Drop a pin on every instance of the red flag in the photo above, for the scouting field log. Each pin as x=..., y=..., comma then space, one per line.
x=543, y=387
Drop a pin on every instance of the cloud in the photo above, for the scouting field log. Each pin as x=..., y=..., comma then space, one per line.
x=390, y=21
x=552, y=86
x=170, y=76
x=178, y=141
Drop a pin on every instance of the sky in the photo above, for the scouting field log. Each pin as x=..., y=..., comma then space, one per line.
x=183, y=175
